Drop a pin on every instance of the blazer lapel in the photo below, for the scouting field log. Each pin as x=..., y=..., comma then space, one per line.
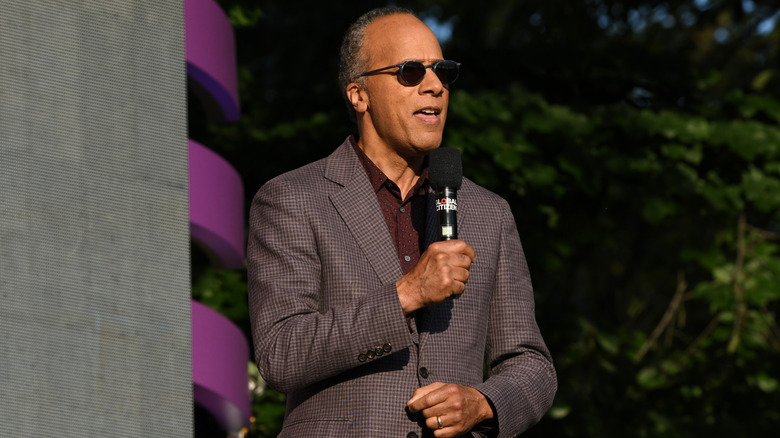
x=358, y=206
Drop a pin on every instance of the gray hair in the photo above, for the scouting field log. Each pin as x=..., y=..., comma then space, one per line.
x=352, y=62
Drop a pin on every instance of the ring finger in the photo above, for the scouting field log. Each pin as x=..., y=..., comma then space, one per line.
x=436, y=422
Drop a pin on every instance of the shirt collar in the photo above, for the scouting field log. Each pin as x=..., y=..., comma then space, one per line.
x=378, y=178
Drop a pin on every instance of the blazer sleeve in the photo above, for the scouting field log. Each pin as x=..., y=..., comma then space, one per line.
x=521, y=379
x=296, y=342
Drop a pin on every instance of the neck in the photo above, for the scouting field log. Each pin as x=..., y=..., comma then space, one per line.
x=403, y=171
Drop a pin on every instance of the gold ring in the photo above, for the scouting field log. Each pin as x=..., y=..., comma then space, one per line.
x=438, y=420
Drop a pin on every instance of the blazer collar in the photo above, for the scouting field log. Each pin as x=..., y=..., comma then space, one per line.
x=358, y=207
x=342, y=165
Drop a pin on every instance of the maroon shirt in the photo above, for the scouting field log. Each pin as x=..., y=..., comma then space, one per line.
x=405, y=216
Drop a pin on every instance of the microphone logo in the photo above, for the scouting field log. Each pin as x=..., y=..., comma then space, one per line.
x=443, y=204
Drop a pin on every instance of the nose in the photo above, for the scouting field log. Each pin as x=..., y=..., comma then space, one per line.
x=431, y=83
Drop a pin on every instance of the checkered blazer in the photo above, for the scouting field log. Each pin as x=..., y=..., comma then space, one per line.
x=328, y=327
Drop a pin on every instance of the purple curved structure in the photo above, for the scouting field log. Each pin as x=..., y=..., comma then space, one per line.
x=211, y=54
x=216, y=207
x=220, y=352
x=219, y=367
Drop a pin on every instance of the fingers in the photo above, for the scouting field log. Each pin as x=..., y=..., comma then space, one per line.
x=458, y=247
x=445, y=408
x=428, y=400
x=446, y=425
x=461, y=275
x=450, y=262
x=442, y=271
x=430, y=396
x=450, y=409
x=420, y=393
x=469, y=252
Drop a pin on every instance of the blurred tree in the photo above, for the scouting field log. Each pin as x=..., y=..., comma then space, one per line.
x=638, y=144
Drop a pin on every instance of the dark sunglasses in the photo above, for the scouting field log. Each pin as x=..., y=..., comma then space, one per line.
x=413, y=72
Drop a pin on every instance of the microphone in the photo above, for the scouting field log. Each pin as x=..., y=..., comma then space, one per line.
x=445, y=173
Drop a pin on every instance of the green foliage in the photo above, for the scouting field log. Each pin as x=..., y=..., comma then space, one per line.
x=675, y=204
x=267, y=407
x=224, y=291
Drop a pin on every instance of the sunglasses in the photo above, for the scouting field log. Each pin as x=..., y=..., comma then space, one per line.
x=413, y=72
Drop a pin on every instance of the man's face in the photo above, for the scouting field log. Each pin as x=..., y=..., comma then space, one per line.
x=407, y=120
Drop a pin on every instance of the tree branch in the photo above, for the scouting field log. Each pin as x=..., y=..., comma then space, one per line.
x=673, y=308
x=739, y=293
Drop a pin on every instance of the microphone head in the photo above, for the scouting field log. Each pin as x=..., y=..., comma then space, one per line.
x=445, y=168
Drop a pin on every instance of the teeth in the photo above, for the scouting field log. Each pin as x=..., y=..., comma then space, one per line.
x=428, y=111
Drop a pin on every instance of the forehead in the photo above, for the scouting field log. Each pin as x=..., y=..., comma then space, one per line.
x=399, y=37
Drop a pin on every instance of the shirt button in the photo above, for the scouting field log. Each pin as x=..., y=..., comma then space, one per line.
x=424, y=372
x=407, y=258
x=402, y=209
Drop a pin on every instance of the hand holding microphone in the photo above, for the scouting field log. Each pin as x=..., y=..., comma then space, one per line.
x=443, y=269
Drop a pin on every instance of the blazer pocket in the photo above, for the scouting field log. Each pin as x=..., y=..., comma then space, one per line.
x=316, y=428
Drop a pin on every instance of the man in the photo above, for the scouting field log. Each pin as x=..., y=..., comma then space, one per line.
x=371, y=327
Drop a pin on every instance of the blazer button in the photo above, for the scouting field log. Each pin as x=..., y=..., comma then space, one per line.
x=387, y=347
x=424, y=372
x=411, y=435
x=370, y=354
x=379, y=351
x=362, y=357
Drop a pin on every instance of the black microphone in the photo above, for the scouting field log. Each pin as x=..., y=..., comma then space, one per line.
x=445, y=172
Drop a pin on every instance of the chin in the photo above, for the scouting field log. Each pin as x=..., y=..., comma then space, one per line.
x=421, y=150
x=431, y=145
x=429, y=141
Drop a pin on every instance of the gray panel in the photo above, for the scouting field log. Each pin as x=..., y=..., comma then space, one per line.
x=94, y=228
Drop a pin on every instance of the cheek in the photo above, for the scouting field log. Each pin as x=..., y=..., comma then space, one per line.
x=390, y=104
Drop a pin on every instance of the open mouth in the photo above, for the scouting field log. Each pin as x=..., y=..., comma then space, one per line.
x=429, y=112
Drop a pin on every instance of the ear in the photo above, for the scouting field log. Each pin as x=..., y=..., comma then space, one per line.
x=357, y=97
